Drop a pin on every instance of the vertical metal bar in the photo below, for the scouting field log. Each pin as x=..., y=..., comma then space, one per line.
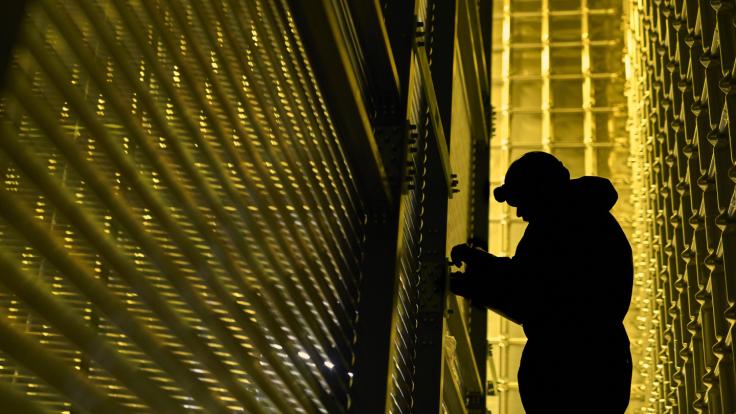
x=479, y=206
x=399, y=20
x=373, y=333
x=440, y=42
x=480, y=198
x=485, y=12
x=431, y=327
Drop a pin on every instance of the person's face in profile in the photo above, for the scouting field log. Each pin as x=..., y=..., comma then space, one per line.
x=525, y=205
x=534, y=203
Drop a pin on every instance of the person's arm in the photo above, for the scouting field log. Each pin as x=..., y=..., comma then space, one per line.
x=490, y=281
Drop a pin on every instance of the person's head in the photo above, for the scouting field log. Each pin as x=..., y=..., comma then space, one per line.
x=533, y=184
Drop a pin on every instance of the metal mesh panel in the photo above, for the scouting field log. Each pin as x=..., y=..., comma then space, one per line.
x=181, y=227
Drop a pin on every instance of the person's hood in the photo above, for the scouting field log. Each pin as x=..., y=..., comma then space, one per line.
x=592, y=193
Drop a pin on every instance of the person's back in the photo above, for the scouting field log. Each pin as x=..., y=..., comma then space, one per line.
x=578, y=264
x=569, y=286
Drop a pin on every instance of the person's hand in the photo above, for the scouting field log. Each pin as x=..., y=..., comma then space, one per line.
x=464, y=253
x=461, y=284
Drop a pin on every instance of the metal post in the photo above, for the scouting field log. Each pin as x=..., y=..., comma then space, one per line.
x=373, y=336
x=430, y=355
x=479, y=230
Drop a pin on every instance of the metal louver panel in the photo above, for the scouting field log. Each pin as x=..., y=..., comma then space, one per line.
x=181, y=230
x=402, y=369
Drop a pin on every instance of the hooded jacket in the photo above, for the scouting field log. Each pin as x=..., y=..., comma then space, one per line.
x=569, y=286
x=574, y=264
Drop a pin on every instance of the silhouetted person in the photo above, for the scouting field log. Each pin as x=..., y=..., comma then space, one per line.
x=569, y=286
